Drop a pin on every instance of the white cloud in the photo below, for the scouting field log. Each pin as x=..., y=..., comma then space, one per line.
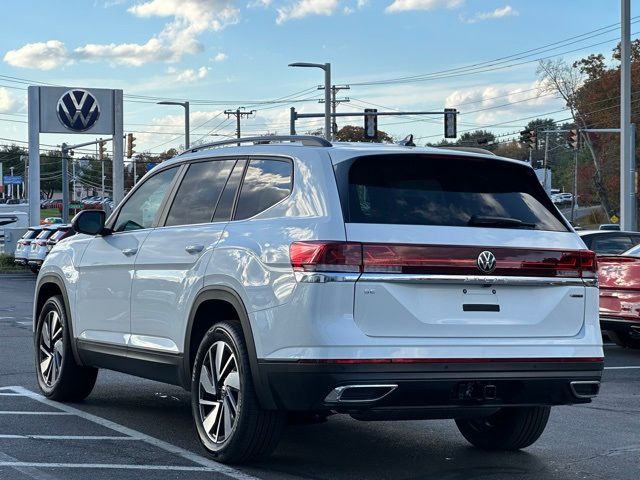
x=189, y=75
x=362, y=3
x=40, y=55
x=348, y=10
x=179, y=37
x=506, y=11
x=304, y=8
x=220, y=57
x=259, y=3
x=7, y=102
x=408, y=5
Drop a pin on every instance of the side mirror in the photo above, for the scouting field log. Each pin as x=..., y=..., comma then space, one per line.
x=90, y=222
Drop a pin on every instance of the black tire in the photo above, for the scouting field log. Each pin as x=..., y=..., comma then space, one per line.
x=64, y=379
x=511, y=428
x=624, y=339
x=254, y=432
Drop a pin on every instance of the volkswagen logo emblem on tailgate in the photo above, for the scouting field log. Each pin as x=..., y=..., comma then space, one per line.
x=486, y=262
x=78, y=110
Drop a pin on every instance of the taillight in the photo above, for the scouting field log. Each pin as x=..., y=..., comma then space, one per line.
x=41, y=243
x=319, y=256
x=588, y=264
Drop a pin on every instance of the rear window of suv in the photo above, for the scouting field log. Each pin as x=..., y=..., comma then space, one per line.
x=447, y=191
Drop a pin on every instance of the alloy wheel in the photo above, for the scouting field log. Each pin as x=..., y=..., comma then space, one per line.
x=219, y=392
x=51, y=348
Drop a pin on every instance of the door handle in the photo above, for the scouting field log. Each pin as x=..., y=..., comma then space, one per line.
x=130, y=251
x=194, y=248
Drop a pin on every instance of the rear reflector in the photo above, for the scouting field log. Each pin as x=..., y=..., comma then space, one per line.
x=321, y=256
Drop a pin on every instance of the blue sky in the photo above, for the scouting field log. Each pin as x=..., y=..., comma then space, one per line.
x=228, y=54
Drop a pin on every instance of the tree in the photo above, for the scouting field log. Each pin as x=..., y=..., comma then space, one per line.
x=567, y=80
x=351, y=133
x=594, y=101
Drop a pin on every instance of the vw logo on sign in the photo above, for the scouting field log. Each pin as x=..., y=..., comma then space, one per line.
x=486, y=262
x=78, y=110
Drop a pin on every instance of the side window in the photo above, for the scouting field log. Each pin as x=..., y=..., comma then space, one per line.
x=198, y=193
x=225, y=204
x=265, y=184
x=141, y=208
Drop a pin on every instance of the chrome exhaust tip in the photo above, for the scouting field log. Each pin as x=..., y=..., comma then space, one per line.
x=585, y=389
x=359, y=393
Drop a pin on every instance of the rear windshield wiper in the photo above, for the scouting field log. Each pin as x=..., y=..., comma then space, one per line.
x=504, y=222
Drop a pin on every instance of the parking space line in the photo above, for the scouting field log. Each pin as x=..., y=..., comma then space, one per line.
x=27, y=412
x=10, y=394
x=30, y=472
x=204, y=464
x=116, y=466
x=626, y=367
x=66, y=437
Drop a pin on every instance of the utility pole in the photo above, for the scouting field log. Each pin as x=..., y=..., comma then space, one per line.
x=546, y=160
x=238, y=114
x=574, y=200
x=334, y=105
x=627, y=156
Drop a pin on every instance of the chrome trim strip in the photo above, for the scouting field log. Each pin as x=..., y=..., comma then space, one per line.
x=335, y=395
x=474, y=279
x=318, y=277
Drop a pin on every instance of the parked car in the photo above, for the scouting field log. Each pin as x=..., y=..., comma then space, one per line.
x=293, y=275
x=62, y=231
x=38, y=248
x=609, y=242
x=51, y=221
x=610, y=226
x=620, y=297
x=23, y=247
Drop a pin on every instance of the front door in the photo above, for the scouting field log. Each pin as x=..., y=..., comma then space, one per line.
x=103, y=301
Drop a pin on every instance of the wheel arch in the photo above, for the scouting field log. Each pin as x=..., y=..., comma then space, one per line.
x=47, y=286
x=229, y=296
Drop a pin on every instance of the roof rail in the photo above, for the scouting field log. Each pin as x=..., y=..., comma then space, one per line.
x=306, y=140
x=469, y=149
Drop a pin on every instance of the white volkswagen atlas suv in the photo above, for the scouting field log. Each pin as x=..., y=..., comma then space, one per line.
x=290, y=274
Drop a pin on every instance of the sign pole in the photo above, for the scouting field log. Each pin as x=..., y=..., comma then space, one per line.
x=118, y=148
x=34, y=154
x=65, y=183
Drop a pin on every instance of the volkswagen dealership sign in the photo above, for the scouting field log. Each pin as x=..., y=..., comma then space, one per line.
x=76, y=110
x=71, y=111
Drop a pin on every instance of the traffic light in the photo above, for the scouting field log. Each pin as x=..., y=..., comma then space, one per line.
x=130, y=144
x=573, y=139
x=102, y=149
x=527, y=137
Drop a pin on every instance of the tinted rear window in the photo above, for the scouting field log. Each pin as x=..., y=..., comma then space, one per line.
x=447, y=191
x=30, y=234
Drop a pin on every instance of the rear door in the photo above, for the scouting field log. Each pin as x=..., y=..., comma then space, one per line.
x=460, y=247
x=171, y=263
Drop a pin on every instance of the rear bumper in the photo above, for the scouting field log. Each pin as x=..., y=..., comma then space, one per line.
x=429, y=390
x=616, y=324
x=20, y=261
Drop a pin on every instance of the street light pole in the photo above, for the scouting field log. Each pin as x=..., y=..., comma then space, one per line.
x=327, y=93
x=186, y=119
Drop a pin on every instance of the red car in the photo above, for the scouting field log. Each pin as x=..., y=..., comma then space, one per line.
x=619, y=278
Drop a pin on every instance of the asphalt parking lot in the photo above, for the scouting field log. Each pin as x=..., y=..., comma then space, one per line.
x=131, y=428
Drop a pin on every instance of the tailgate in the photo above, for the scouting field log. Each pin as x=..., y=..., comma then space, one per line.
x=435, y=290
